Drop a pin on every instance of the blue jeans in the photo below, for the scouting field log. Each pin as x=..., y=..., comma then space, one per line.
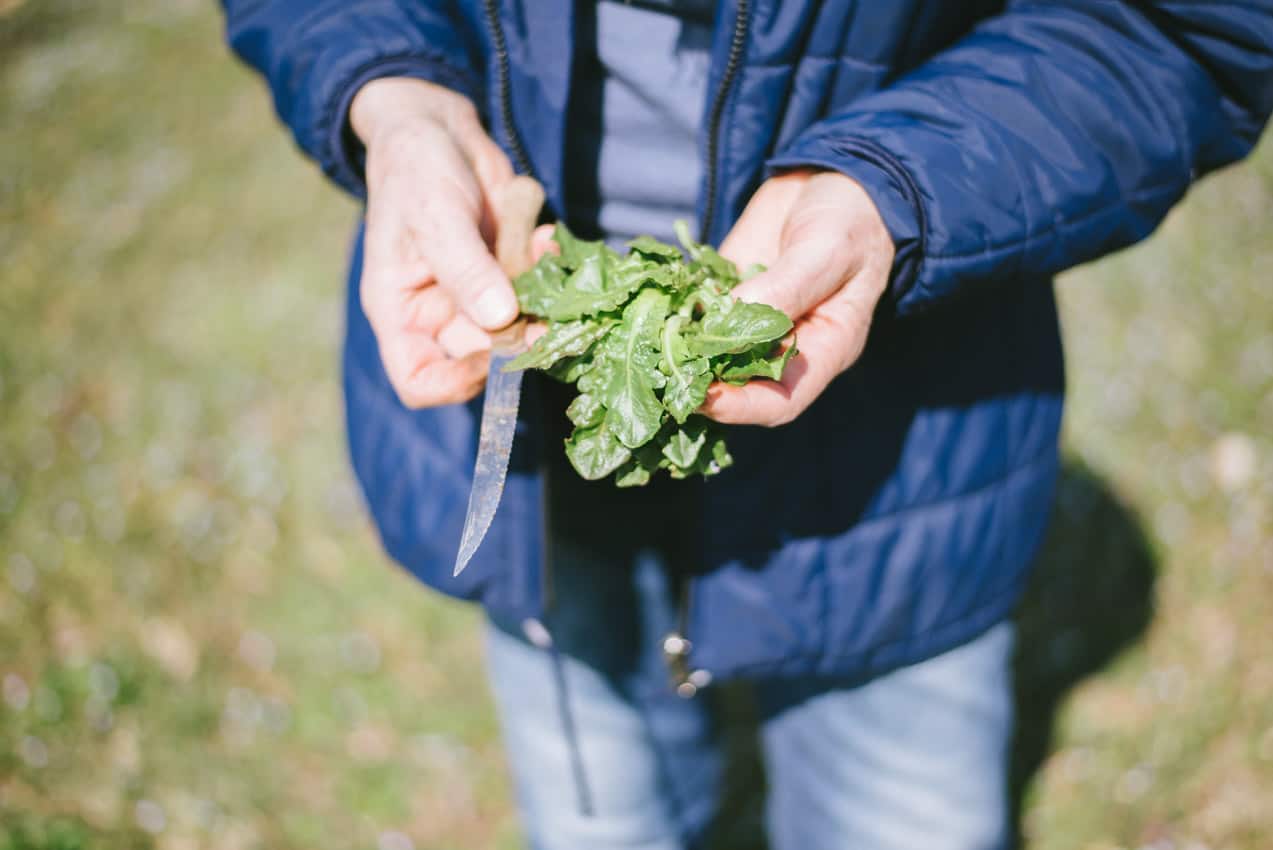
x=605, y=755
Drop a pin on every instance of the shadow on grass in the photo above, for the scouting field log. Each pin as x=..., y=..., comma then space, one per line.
x=1091, y=597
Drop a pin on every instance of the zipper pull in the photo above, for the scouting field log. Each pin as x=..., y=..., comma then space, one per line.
x=676, y=654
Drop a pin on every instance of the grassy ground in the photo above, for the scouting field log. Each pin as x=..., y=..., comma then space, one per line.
x=201, y=646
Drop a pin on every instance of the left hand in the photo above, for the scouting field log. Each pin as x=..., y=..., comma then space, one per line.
x=828, y=256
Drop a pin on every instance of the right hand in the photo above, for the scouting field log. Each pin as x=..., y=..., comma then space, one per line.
x=431, y=288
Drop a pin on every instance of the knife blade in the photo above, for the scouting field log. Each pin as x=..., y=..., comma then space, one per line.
x=517, y=210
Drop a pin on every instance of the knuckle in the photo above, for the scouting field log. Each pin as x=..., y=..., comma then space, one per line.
x=841, y=254
x=461, y=109
x=421, y=393
x=470, y=278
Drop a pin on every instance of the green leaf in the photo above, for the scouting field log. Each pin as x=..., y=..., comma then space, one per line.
x=652, y=247
x=717, y=267
x=639, y=468
x=573, y=249
x=571, y=369
x=738, y=328
x=641, y=336
x=632, y=474
x=756, y=363
x=712, y=458
x=630, y=373
x=604, y=282
x=683, y=447
x=687, y=389
x=570, y=339
x=682, y=229
x=688, y=377
x=703, y=294
x=540, y=285
x=586, y=410
x=595, y=452
x=717, y=457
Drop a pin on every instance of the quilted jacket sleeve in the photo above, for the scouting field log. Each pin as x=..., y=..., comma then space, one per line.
x=1056, y=132
x=316, y=54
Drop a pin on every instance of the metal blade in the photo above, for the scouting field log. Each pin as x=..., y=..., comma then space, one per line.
x=517, y=206
x=494, y=445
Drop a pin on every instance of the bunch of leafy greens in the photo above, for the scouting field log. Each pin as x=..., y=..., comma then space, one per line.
x=641, y=335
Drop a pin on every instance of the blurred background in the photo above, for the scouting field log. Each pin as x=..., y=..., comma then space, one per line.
x=201, y=645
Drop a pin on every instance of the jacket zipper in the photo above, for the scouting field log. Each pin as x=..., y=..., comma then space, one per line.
x=676, y=646
x=504, y=89
x=732, y=65
x=521, y=160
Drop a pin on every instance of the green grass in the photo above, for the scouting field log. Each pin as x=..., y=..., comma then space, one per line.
x=201, y=645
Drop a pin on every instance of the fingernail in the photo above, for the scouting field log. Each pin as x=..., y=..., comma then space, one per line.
x=494, y=308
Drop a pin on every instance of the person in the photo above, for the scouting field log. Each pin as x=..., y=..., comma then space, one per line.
x=912, y=174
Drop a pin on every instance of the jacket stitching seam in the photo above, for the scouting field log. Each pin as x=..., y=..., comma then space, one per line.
x=851, y=61
x=930, y=634
x=1039, y=457
x=1055, y=225
x=937, y=630
x=916, y=199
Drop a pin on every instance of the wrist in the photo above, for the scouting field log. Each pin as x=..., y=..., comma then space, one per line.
x=386, y=103
x=862, y=219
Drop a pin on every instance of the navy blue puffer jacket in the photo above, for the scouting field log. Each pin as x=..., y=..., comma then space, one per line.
x=1002, y=142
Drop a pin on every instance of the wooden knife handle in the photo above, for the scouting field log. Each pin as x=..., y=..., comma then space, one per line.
x=516, y=211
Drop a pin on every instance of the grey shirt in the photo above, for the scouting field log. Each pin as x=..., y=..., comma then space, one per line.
x=640, y=88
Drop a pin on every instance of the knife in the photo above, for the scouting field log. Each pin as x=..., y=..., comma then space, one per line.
x=516, y=211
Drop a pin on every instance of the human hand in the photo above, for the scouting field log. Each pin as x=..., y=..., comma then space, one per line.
x=430, y=287
x=828, y=256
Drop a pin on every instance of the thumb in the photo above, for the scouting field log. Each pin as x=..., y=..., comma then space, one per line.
x=806, y=274
x=468, y=272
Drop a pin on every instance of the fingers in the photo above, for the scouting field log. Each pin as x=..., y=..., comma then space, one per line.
x=807, y=273
x=430, y=285
x=754, y=238
x=831, y=338
x=424, y=374
x=426, y=206
x=534, y=330
x=447, y=381
x=774, y=403
x=541, y=242
x=768, y=403
x=460, y=337
x=431, y=353
x=808, y=258
x=468, y=272
x=489, y=162
x=834, y=255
